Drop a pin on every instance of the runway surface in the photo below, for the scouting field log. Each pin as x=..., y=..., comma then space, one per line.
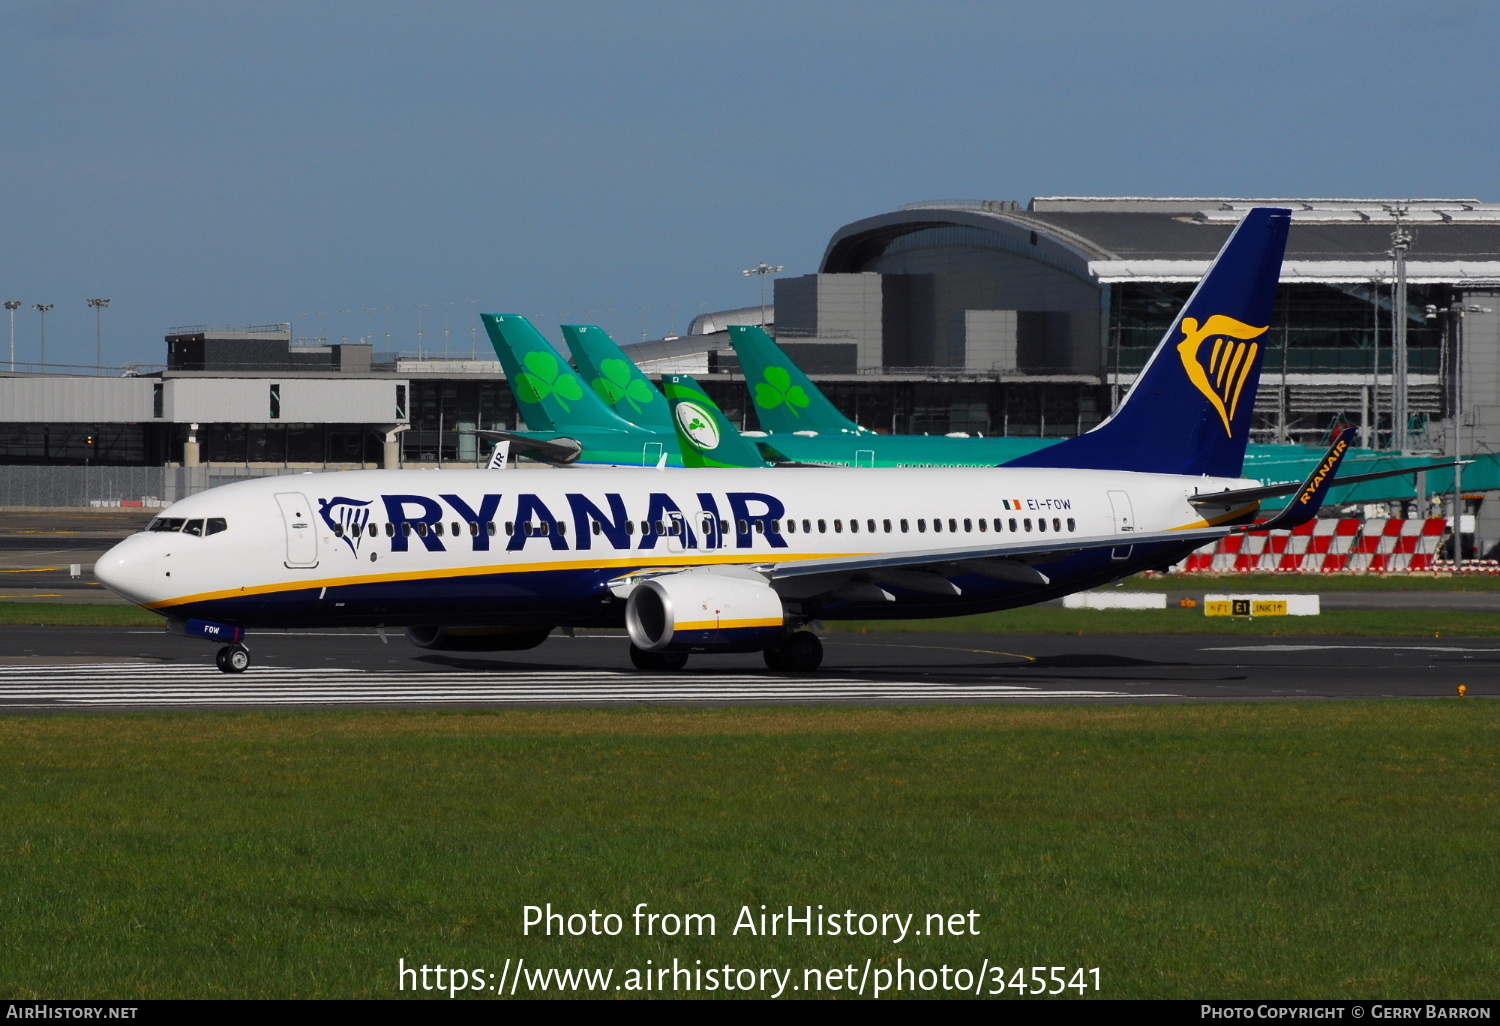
x=70, y=668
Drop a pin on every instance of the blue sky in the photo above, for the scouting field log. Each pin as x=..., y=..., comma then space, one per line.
x=620, y=164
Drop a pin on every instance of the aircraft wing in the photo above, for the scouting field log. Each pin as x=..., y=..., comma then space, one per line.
x=1235, y=496
x=972, y=558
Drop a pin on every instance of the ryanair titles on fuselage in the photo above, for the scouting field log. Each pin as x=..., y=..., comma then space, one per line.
x=415, y=520
x=512, y=522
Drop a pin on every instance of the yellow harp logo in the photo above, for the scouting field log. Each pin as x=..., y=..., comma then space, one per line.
x=1222, y=376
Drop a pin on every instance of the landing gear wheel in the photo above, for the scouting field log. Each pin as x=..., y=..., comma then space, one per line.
x=643, y=660
x=801, y=652
x=233, y=659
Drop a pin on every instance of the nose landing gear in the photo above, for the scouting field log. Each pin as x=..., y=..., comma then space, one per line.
x=233, y=658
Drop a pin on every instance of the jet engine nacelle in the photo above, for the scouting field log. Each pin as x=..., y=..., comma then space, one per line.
x=704, y=611
x=477, y=639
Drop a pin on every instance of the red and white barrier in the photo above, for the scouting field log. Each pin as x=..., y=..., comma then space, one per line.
x=1323, y=546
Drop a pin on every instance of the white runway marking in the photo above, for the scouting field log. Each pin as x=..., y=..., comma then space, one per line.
x=1360, y=648
x=137, y=684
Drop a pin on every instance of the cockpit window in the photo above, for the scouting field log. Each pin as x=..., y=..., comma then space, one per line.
x=198, y=528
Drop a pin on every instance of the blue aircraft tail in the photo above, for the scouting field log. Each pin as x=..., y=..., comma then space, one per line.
x=1190, y=408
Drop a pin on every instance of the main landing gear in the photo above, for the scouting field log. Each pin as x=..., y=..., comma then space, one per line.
x=798, y=652
x=643, y=660
x=233, y=658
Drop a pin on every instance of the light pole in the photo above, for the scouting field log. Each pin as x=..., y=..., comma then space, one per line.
x=12, y=305
x=1453, y=315
x=98, y=305
x=1401, y=241
x=42, y=309
x=760, y=271
x=1371, y=438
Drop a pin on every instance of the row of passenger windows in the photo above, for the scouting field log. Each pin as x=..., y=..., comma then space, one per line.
x=199, y=528
x=938, y=525
x=953, y=525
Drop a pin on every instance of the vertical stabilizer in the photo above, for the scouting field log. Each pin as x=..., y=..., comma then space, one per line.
x=615, y=379
x=551, y=396
x=704, y=433
x=785, y=399
x=1190, y=409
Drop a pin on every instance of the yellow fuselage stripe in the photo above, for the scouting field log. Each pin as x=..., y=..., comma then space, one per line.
x=645, y=559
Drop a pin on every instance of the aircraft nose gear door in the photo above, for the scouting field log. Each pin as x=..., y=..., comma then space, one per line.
x=301, y=536
x=1124, y=522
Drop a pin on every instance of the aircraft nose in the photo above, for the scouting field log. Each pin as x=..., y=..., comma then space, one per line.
x=127, y=569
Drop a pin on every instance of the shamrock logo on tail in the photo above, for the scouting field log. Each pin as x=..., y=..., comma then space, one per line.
x=698, y=425
x=617, y=383
x=543, y=377
x=778, y=389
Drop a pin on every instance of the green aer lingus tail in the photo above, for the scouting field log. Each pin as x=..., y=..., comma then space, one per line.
x=706, y=436
x=566, y=420
x=823, y=436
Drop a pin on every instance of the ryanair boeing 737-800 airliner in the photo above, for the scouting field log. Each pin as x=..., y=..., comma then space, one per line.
x=722, y=560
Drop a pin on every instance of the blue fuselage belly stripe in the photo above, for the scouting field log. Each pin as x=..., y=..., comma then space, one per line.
x=580, y=597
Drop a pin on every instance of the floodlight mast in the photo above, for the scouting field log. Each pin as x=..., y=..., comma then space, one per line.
x=760, y=271
x=98, y=305
x=42, y=309
x=1401, y=241
x=1453, y=319
x=12, y=305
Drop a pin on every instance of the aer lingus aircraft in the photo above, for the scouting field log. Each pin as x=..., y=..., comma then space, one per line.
x=715, y=560
x=803, y=427
x=567, y=422
x=806, y=429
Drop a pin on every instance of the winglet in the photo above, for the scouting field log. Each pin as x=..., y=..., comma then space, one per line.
x=704, y=433
x=1309, y=498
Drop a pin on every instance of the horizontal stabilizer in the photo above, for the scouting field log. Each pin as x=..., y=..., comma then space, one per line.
x=561, y=451
x=1237, y=495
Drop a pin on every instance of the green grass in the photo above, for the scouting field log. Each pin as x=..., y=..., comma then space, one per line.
x=62, y=614
x=1331, y=622
x=1229, y=850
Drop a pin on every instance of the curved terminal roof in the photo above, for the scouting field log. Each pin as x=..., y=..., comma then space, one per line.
x=1125, y=238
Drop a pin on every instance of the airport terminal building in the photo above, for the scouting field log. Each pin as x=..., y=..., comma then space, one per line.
x=1047, y=311
x=947, y=316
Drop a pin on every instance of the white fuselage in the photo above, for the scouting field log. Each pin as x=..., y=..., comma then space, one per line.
x=482, y=546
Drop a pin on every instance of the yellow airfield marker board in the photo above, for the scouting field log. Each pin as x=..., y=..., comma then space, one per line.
x=1260, y=605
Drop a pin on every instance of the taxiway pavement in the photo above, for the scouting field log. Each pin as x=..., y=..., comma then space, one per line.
x=77, y=668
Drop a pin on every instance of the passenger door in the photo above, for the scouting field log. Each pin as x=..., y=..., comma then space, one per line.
x=301, y=535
